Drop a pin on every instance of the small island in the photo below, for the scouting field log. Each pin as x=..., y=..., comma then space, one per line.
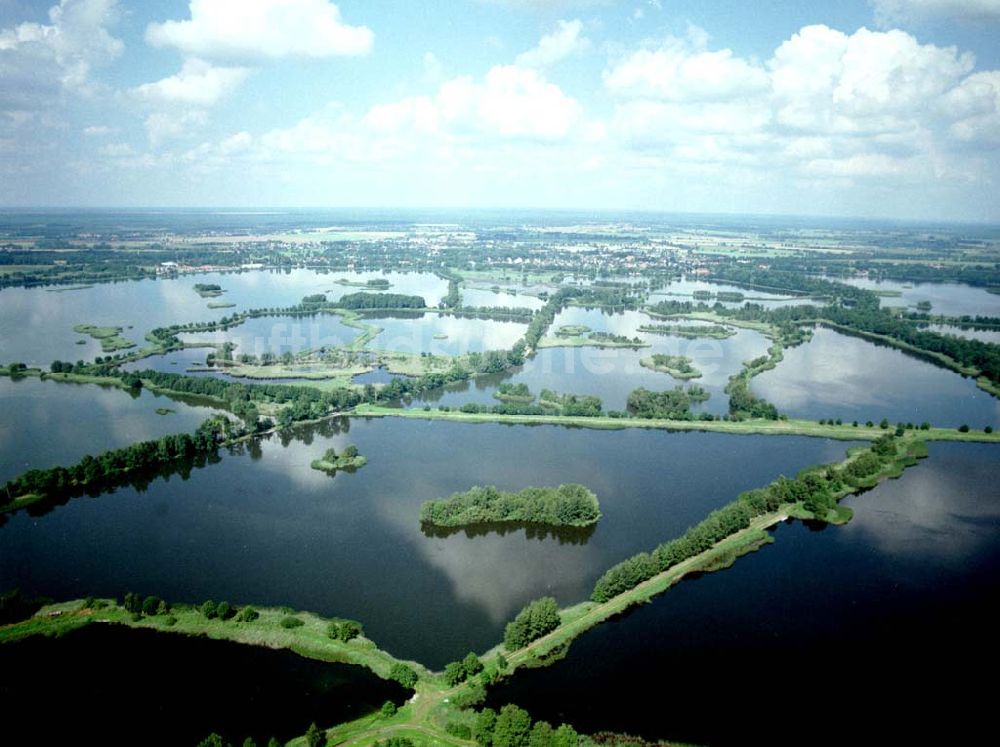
x=208, y=290
x=508, y=392
x=565, y=506
x=109, y=337
x=572, y=330
x=690, y=331
x=370, y=284
x=349, y=460
x=678, y=366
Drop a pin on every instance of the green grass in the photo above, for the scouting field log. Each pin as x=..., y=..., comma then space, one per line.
x=743, y=427
x=670, y=364
x=109, y=337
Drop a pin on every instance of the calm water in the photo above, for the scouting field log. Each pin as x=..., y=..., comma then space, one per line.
x=487, y=297
x=870, y=629
x=441, y=334
x=264, y=528
x=45, y=423
x=613, y=373
x=838, y=376
x=951, y=299
x=682, y=290
x=176, y=689
x=280, y=334
x=986, y=335
x=36, y=325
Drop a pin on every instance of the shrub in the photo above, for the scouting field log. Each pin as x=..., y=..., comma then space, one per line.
x=291, y=622
x=404, y=675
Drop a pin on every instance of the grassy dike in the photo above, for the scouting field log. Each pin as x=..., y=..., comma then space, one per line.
x=580, y=618
x=750, y=427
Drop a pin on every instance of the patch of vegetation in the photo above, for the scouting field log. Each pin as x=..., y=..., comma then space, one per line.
x=508, y=392
x=691, y=331
x=678, y=366
x=109, y=337
x=535, y=620
x=572, y=330
x=208, y=290
x=566, y=506
x=349, y=460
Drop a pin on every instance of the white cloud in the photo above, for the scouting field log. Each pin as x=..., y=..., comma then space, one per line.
x=679, y=70
x=254, y=29
x=867, y=105
x=565, y=41
x=97, y=130
x=167, y=125
x=198, y=84
x=38, y=61
x=510, y=102
x=890, y=11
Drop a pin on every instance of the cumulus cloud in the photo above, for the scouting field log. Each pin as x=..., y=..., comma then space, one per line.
x=261, y=29
x=565, y=41
x=510, y=102
x=682, y=70
x=198, y=83
x=38, y=61
x=826, y=104
x=894, y=11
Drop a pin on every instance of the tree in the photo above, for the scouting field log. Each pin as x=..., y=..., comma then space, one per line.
x=542, y=735
x=482, y=729
x=404, y=675
x=566, y=736
x=388, y=709
x=315, y=737
x=454, y=673
x=208, y=608
x=535, y=620
x=512, y=728
x=472, y=664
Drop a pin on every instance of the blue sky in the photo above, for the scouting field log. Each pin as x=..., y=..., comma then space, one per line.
x=881, y=108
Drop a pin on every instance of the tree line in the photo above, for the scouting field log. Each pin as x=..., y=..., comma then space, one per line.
x=815, y=489
x=115, y=467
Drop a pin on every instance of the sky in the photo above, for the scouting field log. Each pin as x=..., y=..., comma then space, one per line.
x=867, y=108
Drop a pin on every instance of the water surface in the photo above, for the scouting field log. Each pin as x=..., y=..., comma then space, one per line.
x=839, y=376
x=264, y=528
x=870, y=629
x=176, y=689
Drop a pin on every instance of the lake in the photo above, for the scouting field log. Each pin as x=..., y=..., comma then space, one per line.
x=46, y=423
x=839, y=376
x=868, y=629
x=261, y=527
x=36, y=324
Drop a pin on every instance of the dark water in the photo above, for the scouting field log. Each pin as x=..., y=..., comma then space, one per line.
x=173, y=690
x=264, y=528
x=45, y=423
x=838, y=376
x=872, y=632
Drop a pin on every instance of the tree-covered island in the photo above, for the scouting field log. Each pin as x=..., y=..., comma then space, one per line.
x=565, y=506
